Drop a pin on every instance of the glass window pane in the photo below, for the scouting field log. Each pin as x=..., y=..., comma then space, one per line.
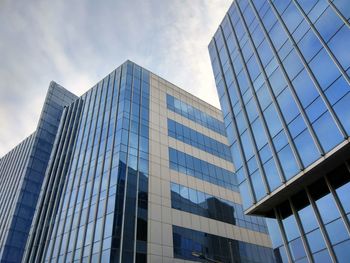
x=343, y=193
x=306, y=148
x=324, y=69
x=337, y=231
x=342, y=110
x=327, y=208
x=258, y=185
x=338, y=45
x=288, y=106
x=290, y=167
x=315, y=240
x=272, y=119
x=327, y=132
x=305, y=88
x=271, y=172
x=274, y=232
x=322, y=256
x=297, y=249
x=342, y=252
x=308, y=218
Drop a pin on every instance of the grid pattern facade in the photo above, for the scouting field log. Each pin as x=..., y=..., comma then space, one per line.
x=220, y=248
x=282, y=71
x=313, y=225
x=17, y=224
x=283, y=81
x=189, y=184
x=100, y=212
x=12, y=170
x=108, y=191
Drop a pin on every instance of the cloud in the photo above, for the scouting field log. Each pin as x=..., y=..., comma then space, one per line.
x=76, y=43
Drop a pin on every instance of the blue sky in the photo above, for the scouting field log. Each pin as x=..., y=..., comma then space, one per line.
x=76, y=43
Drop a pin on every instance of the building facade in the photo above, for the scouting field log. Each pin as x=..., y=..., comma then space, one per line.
x=282, y=71
x=139, y=171
x=22, y=173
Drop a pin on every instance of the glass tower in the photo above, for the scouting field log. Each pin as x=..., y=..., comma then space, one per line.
x=138, y=170
x=22, y=173
x=282, y=71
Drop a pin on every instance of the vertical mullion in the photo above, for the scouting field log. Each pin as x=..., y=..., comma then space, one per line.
x=342, y=17
x=283, y=234
x=321, y=225
x=67, y=184
x=116, y=87
x=238, y=138
x=338, y=204
x=88, y=125
x=110, y=80
x=138, y=172
x=60, y=179
x=85, y=124
x=301, y=230
x=324, y=44
x=21, y=152
x=127, y=167
x=311, y=74
x=244, y=110
x=93, y=166
x=104, y=99
x=68, y=159
x=51, y=179
x=43, y=195
x=290, y=85
x=260, y=112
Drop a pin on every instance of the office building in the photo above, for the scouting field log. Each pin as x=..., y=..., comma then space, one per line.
x=22, y=173
x=282, y=71
x=140, y=171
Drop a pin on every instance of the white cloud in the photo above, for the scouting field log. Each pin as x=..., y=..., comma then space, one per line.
x=76, y=43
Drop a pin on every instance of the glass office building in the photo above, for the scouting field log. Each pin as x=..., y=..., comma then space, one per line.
x=139, y=171
x=282, y=71
x=22, y=173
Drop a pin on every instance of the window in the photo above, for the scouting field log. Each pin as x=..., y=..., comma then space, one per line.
x=181, y=162
x=278, y=36
x=263, y=97
x=292, y=64
x=290, y=167
x=328, y=23
x=316, y=109
x=322, y=256
x=187, y=240
x=247, y=145
x=292, y=17
x=327, y=132
x=324, y=69
x=306, y=148
x=337, y=231
x=272, y=119
x=258, y=185
x=342, y=252
x=337, y=90
x=315, y=240
x=309, y=45
x=288, y=106
x=272, y=176
x=246, y=197
x=297, y=249
x=325, y=204
x=277, y=81
x=342, y=110
x=259, y=134
x=304, y=88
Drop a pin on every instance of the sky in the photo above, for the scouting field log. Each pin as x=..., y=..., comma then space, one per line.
x=78, y=42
